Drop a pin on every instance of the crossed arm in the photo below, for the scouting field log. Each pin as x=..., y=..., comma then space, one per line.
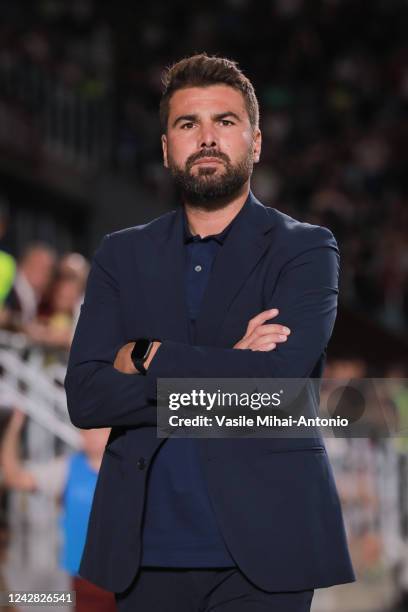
x=259, y=336
x=101, y=394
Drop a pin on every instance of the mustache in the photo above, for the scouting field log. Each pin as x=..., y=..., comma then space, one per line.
x=206, y=153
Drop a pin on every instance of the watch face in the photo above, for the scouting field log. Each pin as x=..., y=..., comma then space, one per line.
x=140, y=349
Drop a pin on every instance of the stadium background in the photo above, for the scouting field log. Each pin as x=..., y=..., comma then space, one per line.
x=80, y=156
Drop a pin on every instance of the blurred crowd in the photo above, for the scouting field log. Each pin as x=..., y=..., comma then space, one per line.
x=80, y=86
x=41, y=293
x=331, y=76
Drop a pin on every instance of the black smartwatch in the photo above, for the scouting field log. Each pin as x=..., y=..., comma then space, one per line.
x=140, y=353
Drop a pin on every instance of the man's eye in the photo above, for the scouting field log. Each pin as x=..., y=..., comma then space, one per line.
x=187, y=126
x=226, y=122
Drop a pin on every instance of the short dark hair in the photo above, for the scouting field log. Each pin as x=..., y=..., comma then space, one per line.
x=203, y=70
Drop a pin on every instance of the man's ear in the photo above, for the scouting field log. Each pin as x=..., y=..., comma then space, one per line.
x=164, y=149
x=257, y=145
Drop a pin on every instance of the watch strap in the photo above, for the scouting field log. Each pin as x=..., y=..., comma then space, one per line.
x=138, y=362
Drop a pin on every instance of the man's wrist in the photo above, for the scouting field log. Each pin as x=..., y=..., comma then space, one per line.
x=143, y=352
x=155, y=347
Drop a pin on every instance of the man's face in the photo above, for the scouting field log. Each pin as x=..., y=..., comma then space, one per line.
x=210, y=145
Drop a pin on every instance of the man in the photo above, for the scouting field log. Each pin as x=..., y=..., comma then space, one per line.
x=207, y=524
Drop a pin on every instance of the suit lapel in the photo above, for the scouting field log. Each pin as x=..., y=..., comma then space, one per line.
x=245, y=244
x=167, y=265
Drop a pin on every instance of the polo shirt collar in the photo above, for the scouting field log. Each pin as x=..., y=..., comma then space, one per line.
x=220, y=238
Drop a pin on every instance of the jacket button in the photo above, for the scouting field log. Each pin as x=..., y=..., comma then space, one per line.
x=141, y=463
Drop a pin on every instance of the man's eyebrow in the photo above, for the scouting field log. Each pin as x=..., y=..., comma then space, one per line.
x=221, y=116
x=184, y=118
x=217, y=117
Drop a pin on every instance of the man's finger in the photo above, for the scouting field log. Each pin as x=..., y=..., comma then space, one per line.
x=266, y=347
x=260, y=318
x=254, y=342
x=272, y=328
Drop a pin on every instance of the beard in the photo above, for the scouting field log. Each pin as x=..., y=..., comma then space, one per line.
x=207, y=189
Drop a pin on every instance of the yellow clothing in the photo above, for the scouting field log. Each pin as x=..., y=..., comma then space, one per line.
x=7, y=274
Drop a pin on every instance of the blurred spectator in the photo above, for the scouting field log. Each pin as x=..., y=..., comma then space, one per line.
x=70, y=480
x=346, y=369
x=34, y=273
x=7, y=262
x=74, y=265
x=397, y=373
x=59, y=313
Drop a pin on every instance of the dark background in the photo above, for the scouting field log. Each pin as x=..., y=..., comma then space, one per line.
x=80, y=84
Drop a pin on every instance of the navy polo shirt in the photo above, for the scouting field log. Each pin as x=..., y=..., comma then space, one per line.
x=180, y=527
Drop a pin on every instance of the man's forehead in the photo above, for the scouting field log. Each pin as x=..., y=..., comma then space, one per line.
x=211, y=98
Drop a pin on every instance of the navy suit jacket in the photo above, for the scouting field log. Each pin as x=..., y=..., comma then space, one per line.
x=275, y=499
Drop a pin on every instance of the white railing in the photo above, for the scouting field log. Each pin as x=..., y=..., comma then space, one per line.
x=27, y=382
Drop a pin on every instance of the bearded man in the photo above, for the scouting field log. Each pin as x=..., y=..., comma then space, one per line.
x=221, y=287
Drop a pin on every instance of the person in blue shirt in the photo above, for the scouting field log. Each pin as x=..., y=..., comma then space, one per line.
x=71, y=480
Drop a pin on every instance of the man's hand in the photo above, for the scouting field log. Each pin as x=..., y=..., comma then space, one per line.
x=260, y=337
x=123, y=361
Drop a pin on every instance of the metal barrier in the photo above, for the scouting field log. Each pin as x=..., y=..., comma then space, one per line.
x=32, y=379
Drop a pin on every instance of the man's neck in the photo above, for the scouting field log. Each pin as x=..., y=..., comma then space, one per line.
x=209, y=222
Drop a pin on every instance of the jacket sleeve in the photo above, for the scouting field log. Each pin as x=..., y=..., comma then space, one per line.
x=306, y=295
x=98, y=395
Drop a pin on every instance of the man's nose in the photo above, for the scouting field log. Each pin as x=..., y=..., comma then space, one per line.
x=208, y=138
